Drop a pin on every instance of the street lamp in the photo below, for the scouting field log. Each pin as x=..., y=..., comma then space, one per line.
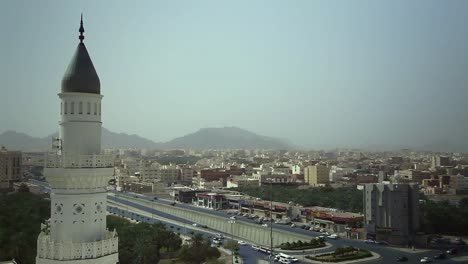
x=232, y=222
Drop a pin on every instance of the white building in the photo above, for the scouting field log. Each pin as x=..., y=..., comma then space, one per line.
x=78, y=174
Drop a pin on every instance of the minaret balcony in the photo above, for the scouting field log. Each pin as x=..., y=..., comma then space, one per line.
x=79, y=161
x=71, y=250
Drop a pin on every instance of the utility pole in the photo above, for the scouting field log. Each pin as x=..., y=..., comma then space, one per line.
x=271, y=220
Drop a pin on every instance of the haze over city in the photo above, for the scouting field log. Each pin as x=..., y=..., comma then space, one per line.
x=328, y=73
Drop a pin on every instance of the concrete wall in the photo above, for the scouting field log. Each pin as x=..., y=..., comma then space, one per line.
x=253, y=233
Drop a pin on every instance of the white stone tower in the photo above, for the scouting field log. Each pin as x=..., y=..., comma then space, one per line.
x=78, y=174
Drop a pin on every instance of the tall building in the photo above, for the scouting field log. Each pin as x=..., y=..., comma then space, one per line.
x=78, y=174
x=316, y=175
x=10, y=167
x=440, y=161
x=391, y=212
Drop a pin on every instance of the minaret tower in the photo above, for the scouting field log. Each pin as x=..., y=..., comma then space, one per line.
x=78, y=174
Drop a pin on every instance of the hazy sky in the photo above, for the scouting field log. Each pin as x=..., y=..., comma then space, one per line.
x=316, y=72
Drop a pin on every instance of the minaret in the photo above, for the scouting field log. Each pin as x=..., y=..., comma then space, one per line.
x=78, y=174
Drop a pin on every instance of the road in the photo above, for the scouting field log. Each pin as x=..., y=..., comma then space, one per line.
x=138, y=203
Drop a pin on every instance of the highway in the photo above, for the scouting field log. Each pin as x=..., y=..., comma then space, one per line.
x=129, y=203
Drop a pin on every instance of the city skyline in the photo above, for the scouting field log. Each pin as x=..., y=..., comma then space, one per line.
x=256, y=66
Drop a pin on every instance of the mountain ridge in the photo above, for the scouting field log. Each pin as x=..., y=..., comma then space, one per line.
x=204, y=138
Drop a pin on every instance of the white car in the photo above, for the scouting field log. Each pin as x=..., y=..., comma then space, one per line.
x=265, y=225
x=195, y=224
x=426, y=260
x=219, y=235
x=242, y=243
x=285, y=261
x=233, y=217
x=255, y=247
x=333, y=236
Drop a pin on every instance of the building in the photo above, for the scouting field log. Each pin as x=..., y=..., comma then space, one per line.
x=459, y=184
x=414, y=175
x=10, y=167
x=440, y=161
x=78, y=174
x=316, y=175
x=391, y=212
x=241, y=181
x=169, y=174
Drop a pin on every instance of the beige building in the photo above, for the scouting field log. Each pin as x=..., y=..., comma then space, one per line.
x=10, y=167
x=316, y=175
x=391, y=212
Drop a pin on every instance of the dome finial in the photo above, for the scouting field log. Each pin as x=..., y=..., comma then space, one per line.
x=81, y=37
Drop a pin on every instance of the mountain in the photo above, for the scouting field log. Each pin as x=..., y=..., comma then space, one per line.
x=205, y=138
x=226, y=138
x=19, y=141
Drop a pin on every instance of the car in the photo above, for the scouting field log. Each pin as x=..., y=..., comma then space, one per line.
x=326, y=233
x=426, y=260
x=383, y=243
x=293, y=225
x=333, y=236
x=242, y=243
x=255, y=247
x=155, y=198
x=233, y=217
x=369, y=241
x=204, y=226
x=452, y=251
x=229, y=212
x=402, y=259
x=265, y=225
x=440, y=256
x=173, y=204
x=285, y=261
x=195, y=224
x=220, y=236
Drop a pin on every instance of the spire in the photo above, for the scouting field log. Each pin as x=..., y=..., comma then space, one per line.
x=81, y=37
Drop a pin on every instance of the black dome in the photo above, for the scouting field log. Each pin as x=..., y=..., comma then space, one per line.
x=81, y=77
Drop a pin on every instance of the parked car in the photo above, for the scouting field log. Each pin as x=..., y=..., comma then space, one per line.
x=255, y=247
x=426, y=260
x=369, y=241
x=233, y=217
x=265, y=225
x=220, y=236
x=440, y=256
x=452, y=251
x=333, y=236
x=383, y=243
x=195, y=224
x=402, y=259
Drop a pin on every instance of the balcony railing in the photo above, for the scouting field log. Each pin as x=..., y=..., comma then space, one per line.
x=79, y=161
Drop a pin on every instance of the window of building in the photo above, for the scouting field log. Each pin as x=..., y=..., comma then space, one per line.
x=99, y=109
x=88, y=108
x=66, y=107
x=80, y=108
x=72, y=108
x=61, y=108
x=95, y=108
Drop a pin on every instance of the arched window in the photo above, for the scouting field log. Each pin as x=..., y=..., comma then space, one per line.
x=80, y=108
x=66, y=107
x=72, y=108
x=89, y=108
